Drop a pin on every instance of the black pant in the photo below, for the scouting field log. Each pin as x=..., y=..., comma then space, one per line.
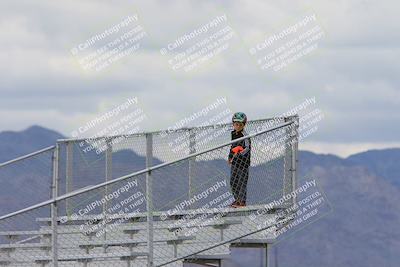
x=239, y=177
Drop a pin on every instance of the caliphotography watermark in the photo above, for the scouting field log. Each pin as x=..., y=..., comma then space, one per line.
x=185, y=204
x=105, y=48
x=280, y=49
x=215, y=113
x=200, y=45
x=110, y=127
x=303, y=206
x=310, y=116
x=194, y=212
x=109, y=210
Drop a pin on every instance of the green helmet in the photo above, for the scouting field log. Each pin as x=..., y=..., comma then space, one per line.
x=239, y=117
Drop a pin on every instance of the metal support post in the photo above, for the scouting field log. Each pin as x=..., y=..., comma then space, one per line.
x=108, y=177
x=54, y=248
x=287, y=175
x=149, y=199
x=294, y=148
x=192, y=149
x=69, y=181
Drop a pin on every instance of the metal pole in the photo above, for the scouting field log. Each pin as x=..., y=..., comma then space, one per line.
x=192, y=149
x=149, y=199
x=287, y=175
x=294, y=147
x=68, y=176
x=54, y=207
x=266, y=255
x=108, y=175
x=27, y=156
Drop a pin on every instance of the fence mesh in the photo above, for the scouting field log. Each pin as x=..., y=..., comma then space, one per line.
x=154, y=217
x=216, y=184
x=25, y=182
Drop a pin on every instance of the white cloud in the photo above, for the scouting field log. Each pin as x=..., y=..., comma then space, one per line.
x=345, y=149
x=353, y=74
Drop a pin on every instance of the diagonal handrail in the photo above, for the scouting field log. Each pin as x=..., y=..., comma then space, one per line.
x=27, y=156
x=146, y=170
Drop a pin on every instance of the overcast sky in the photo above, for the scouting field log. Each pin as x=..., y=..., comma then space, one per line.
x=353, y=73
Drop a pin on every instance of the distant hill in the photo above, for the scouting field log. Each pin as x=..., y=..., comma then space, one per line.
x=14, y=144
x=364, y=190
x=362, y=230
x=384, y=163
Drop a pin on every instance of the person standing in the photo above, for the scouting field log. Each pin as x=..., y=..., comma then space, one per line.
x=239, y=159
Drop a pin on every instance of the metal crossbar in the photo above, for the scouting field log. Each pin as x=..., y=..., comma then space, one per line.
x=27, y=156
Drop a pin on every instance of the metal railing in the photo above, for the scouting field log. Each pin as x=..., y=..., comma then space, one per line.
x=156, y=194
x=26, y=180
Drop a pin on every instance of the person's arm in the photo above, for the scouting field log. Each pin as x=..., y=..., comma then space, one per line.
x=247, y=146
x=230, y=156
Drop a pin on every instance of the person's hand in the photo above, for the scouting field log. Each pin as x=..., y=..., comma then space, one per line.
x=237, y=149
x=229, y=161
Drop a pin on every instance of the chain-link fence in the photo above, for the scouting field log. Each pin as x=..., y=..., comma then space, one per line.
x=26, y=181
x=152, y=199
x=85, y=162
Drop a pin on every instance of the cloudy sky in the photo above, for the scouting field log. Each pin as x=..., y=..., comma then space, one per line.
x=352, y=71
